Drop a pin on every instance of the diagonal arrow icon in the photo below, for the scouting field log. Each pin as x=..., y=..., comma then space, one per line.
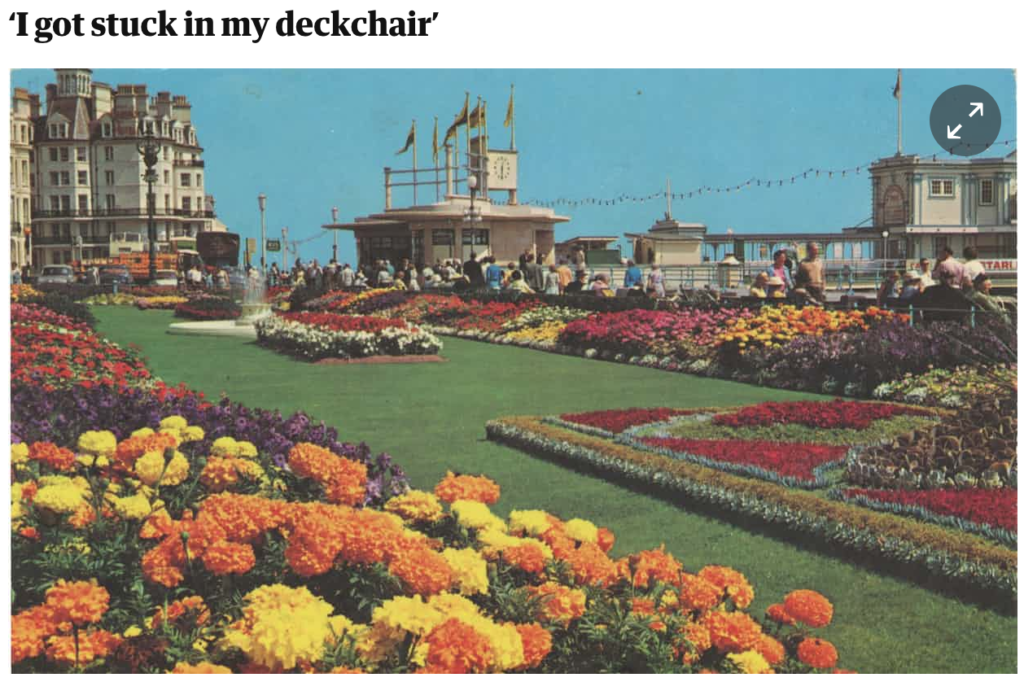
x=979, y=108
x=952, y=134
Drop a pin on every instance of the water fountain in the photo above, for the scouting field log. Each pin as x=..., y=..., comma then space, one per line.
x=254, y=300
x=254, y=308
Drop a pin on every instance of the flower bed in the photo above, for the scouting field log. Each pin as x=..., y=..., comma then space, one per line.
x=926, y=549
x=957, y=387
x=778, y=325
x=119, y=298
x=314, y=336
x=206, y=307
x=610, y=422
x=24, y=293
x=215, y=559
x=636, y=331
x=837, y=414
x=159, y=302
x=992, y=513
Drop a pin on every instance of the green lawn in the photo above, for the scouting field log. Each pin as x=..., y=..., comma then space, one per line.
x=431, y=417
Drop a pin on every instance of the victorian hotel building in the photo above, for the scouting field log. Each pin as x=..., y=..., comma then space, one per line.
x=77, y=172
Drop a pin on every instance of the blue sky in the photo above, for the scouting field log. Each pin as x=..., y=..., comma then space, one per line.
x=313, y=139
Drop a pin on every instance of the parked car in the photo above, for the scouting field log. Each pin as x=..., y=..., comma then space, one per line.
x=56, y=274
x=115, y=274
x=165, y=278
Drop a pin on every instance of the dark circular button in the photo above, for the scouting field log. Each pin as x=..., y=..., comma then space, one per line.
x=965, y=120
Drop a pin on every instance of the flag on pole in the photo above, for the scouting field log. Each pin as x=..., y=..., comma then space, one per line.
x=897, y=91
x=510, y=112
x=435, y=140
x=477, y=117
x=410, y=140
x=460, y=118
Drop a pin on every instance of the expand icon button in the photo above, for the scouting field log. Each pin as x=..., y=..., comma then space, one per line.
x=965, y=120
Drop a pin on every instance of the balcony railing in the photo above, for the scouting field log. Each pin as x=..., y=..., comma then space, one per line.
x=193, y=163
x=120, y=212
x=50, y=240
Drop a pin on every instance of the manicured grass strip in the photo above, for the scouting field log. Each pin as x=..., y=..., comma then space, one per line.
x=938, y=552
x=878, y=432
x=991, y=513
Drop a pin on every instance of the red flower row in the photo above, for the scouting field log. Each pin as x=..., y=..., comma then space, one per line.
x=795, y=460
x=345, y=323
x=36, y=314
x=617, y=421
x=837, y=414
x=997, y=508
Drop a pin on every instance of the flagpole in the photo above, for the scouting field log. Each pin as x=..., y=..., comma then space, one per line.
x=437, y=175
x=483, y=159
x=513, y=143
x=899, y=112
x=415, y=202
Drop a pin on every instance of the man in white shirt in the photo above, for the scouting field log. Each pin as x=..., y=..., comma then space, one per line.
x=972, y=266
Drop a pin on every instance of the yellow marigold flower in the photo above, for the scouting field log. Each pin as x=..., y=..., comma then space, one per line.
x=469, y=570
x=191, y=434
x=132, y=631
x=97, y=443
x=143, y=432
x=471, y=514
x=282, y=626
x=134, y=508
x=225, y=446
x=204, y=668
x=19, y=453
x=581, y=530
x=150, y=468
x=174, y=422
x=246, y=449
x=416, y=505
x=453, y=605
x=60, y=498
x=750, y=663
x=408, y=614
x=532, y=522
x=89, y=460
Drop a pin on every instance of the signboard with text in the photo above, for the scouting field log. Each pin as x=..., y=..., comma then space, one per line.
x=273, y=245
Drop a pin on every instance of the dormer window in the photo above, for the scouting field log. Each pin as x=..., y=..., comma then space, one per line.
x=108, y=129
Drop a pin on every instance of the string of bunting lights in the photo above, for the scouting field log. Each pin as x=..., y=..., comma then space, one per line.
x=810, y=173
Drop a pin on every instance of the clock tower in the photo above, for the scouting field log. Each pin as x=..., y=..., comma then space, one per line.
x=503, y=171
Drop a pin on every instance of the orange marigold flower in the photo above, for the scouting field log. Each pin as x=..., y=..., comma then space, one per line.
x=771, y=649
x=817, y=653
x=204, y=668
x=809, y=607
x=423, y=572
x=130, y=449
x=559, y=604
x=536, y=644
x=221, y=473
x=244, y=518
x=695, y=641
x=29, y=533
x=697, y=593
x=29, y=630
x=92, y=644
x=82, y=516
x=527, y=556
x=654, y=565
x=55, y=457
x=193, y=607
x=455, y=487
x=223, y=558
x=732, y=632
x=641, y=606
x=562, y=546
x=778, y=613
x=735, y=584
x=78, y=602
x=843, y=671
x=454, y=647
x=605, y=539
x=343, y=480
x=591, y=566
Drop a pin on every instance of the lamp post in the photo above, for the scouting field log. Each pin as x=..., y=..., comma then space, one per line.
x=334, y=220
x=262, y=198
x=885, y=240
x=471, y=216
x=150, y=150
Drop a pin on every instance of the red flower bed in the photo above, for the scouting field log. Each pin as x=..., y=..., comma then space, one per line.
x=837, y=414
x=617, y=421
x=36, y=314
x=997, y=508
x=52, y=356
x=336, y=300
x=491, y=316
x=795, y=460
x=345, y=323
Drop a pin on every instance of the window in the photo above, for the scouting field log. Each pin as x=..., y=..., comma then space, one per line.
x=24, y=134
x=942, y=188
x=186, y=204
x=987, y=192
x=167, y=153
x=442, y=237
x=65, y=202
x=53, y=153
x=55, y=179
x=110, y=202
x=65, y=155
x=107, y=129
x=109, y=177
x=108, y=153
x=55, y=204
x=65, y=178
x=167, y=177
x=80, y=154
x=199, y=179
x=186, y=180
x=83, y=202
x=83, y=177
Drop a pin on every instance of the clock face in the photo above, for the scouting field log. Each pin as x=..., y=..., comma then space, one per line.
x=501, y=168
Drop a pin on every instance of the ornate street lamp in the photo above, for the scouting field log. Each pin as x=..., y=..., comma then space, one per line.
x=472, y=214
x=885, y=244
x=262, y=199
x=334, y=220
x=150, y=151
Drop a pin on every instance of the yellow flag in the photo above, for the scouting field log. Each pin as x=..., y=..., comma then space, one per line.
x=510, y=113
x=435, y=140
x=460, y=118
x=477, y=117
x=410, y=140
